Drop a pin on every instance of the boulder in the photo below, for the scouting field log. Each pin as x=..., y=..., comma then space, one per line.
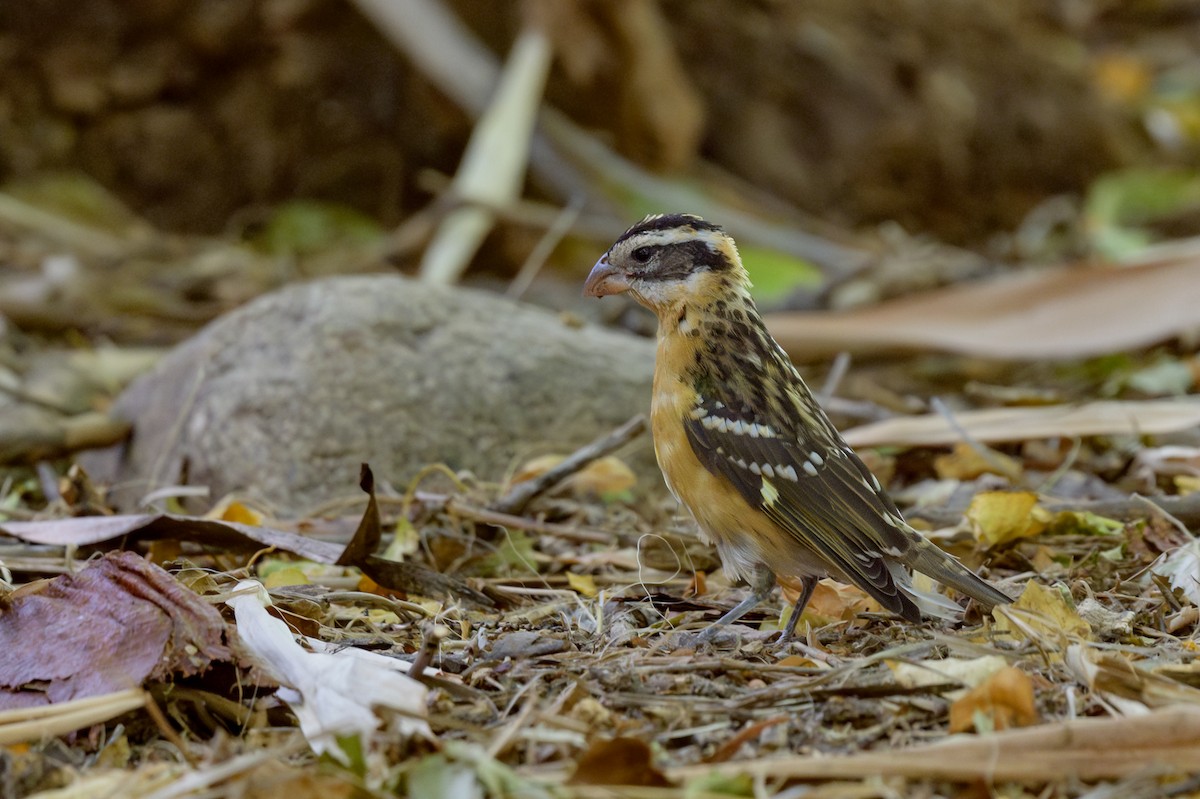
x=286, y=396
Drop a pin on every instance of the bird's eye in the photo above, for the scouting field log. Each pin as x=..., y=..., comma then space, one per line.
x=641, y=254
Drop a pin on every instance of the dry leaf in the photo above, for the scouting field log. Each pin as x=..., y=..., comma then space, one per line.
x=115, y=625
x=289, y=575
x=833, y=601
x=334, y=694
x=1036, y=315
x=1004, y=701
x=1182, y=567
x=1043, y=615
x=966, y=462
x=971, y=672
x=1001, y=516
x=1021, y=424
x=1125, y=685
x=619, y=761
x=88, y=530
x=582, y=583
x=231, y=510
x=606, y=477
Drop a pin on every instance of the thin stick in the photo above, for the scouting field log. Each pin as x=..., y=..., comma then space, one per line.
x=545, y=246
x=523, y=493
x=532, y=525
x=841, y=365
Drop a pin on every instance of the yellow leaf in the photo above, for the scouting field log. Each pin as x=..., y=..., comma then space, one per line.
x=966, y=462
x=1044, y=615
x=606, y=478
x=286, y=576
x=1043, y=561
x=1187, y=483
x=405, y=542
x=1005, y=699
x=582, y=583
x=230, y=510
x=536, y=467
x=1122, y=77
x=1000, y=516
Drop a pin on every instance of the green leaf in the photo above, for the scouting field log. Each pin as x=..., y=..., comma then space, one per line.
x=306, y=226
x=776, y=274
x=1138, y=196
x=1167, y=378
x=1119, y=205
x=516, y=552
x=1084, y=523
x=721, y=785
x=436, y=777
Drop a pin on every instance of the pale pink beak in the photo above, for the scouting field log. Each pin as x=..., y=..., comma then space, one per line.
x=605, y=279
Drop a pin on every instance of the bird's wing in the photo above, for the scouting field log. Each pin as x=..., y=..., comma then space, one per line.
x=819, y=492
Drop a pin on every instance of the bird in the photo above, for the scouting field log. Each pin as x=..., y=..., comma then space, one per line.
x=744, y=445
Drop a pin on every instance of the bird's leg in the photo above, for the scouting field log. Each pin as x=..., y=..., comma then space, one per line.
x=807, y=586
x=761, y=583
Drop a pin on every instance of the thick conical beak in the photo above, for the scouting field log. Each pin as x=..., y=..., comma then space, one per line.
x=605, y=279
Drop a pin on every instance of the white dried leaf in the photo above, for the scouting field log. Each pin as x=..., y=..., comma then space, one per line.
x=1182, y=567
x=332, y=694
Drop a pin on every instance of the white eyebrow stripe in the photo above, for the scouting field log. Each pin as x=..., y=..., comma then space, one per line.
x=675, y=235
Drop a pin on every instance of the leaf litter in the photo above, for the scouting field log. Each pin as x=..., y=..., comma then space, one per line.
x=503, y=641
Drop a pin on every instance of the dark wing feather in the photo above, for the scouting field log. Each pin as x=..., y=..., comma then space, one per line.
x=835, y=512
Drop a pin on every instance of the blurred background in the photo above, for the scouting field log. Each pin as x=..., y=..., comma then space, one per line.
x=164, y=162
x=1016, y=131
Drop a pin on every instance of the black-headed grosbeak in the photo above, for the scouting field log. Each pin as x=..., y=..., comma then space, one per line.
x=744, y=445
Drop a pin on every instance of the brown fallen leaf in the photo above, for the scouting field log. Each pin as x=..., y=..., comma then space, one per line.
x=118, y=623
x=90, y=530
x=617, y=761
x=1071, y=312
x=832, y=602
x=1005, y=700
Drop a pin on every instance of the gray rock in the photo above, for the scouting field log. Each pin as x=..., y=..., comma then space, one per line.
x=286, y=396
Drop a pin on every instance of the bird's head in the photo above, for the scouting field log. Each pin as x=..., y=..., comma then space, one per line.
x=670, y=261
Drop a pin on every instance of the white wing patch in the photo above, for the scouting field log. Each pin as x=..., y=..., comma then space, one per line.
x=734, y=427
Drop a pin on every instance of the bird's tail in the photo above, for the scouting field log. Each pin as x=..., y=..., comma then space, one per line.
x=947, y=570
